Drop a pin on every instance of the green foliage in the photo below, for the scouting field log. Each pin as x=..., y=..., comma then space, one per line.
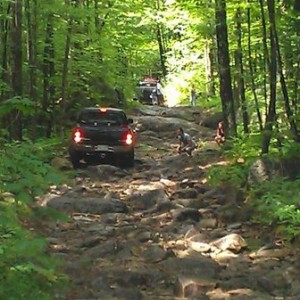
x=244, y=146
x=24, y=105
x=231, y=173
x=277, y=202
x=289, y=149
x=26, y=270
x=239, y=153
x=213, y=103
x=23, y=173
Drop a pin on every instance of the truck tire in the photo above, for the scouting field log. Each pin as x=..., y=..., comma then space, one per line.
x=130, y=159
x=75, y=158
x=127, y=160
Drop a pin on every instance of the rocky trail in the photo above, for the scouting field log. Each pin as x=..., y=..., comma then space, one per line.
x=159, y=231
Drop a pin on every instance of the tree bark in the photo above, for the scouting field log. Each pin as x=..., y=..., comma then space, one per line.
x=209, y=68
x=240, y=69
x=4, y=41
x=224, y=68
x=271, y=114
x=161, y=50
x=65, y=74
x=31, y=46
x=16, y=67
x=253, y=86
x=288, y=110
x=159, y=37
x=296, y=101
x=48, y=74
x=266, y=51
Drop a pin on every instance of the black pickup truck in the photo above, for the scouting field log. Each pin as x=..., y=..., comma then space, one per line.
x=102, y=133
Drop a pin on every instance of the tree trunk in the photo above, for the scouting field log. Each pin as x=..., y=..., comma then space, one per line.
x=96, y=18
x=65, y=74
x=212, y=59
x=266, y=51
x=48, y=73
x=240, y=69
x=16, y=67
x=288, y=111
x=253, y=86
x=224, y=67
x=209, y=68
x=296, y=101
x=161, y=50
x=4, y=47
x=159, y=37
x=236, y=81
x=271, y=114
x=31, y=46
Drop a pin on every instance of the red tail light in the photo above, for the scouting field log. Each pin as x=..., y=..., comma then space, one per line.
x=128, y=138
x=77, y=135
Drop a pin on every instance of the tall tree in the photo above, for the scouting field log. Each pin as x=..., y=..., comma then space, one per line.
x=226, y=93
x=4, y=23
x=240, y=71
x=16, y=67
x=288, y=110
x=271, y=113
x=159, y=36
x=251, y=70
x=31, y=46
x=48, y=69
x=65, y=72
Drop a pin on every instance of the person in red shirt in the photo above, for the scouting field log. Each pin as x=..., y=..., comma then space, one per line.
x=220, y=134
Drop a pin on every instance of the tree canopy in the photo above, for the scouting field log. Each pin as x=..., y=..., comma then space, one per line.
x=59, y=55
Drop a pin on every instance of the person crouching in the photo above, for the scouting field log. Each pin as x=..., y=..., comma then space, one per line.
x=220, y=133
x=186, y=143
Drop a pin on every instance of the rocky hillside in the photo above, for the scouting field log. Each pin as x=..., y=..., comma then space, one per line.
x=159, y=231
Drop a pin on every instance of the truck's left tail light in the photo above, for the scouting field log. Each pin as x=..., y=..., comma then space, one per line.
x=77, y=135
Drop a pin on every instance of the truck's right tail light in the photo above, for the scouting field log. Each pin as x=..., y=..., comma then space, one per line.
x=77, y=135
x=128, y=138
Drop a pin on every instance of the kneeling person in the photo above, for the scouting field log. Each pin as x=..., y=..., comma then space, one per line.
x=186, y=144
x=220, y=133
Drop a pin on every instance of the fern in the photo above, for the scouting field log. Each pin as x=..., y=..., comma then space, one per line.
x=234, y=173
x=277, y=201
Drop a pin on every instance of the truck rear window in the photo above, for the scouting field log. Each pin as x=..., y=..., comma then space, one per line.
x=102, y=118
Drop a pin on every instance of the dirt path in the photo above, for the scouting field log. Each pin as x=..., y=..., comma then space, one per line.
x=159, y=231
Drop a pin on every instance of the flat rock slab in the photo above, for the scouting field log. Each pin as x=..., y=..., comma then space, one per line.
x=200, y=266
x=87, y=205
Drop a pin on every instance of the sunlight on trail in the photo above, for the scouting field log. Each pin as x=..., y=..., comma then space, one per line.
x=220, y=163
x=172, y=96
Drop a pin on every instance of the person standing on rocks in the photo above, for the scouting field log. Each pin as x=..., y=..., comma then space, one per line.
x=159, y=91
x=154, y=97
x=186, y=143
x=193, y=96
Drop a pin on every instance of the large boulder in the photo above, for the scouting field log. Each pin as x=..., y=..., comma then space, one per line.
x=267, y=169
x=159, y=124
x=211, y=121
x=148, y=199
x=191, y=114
